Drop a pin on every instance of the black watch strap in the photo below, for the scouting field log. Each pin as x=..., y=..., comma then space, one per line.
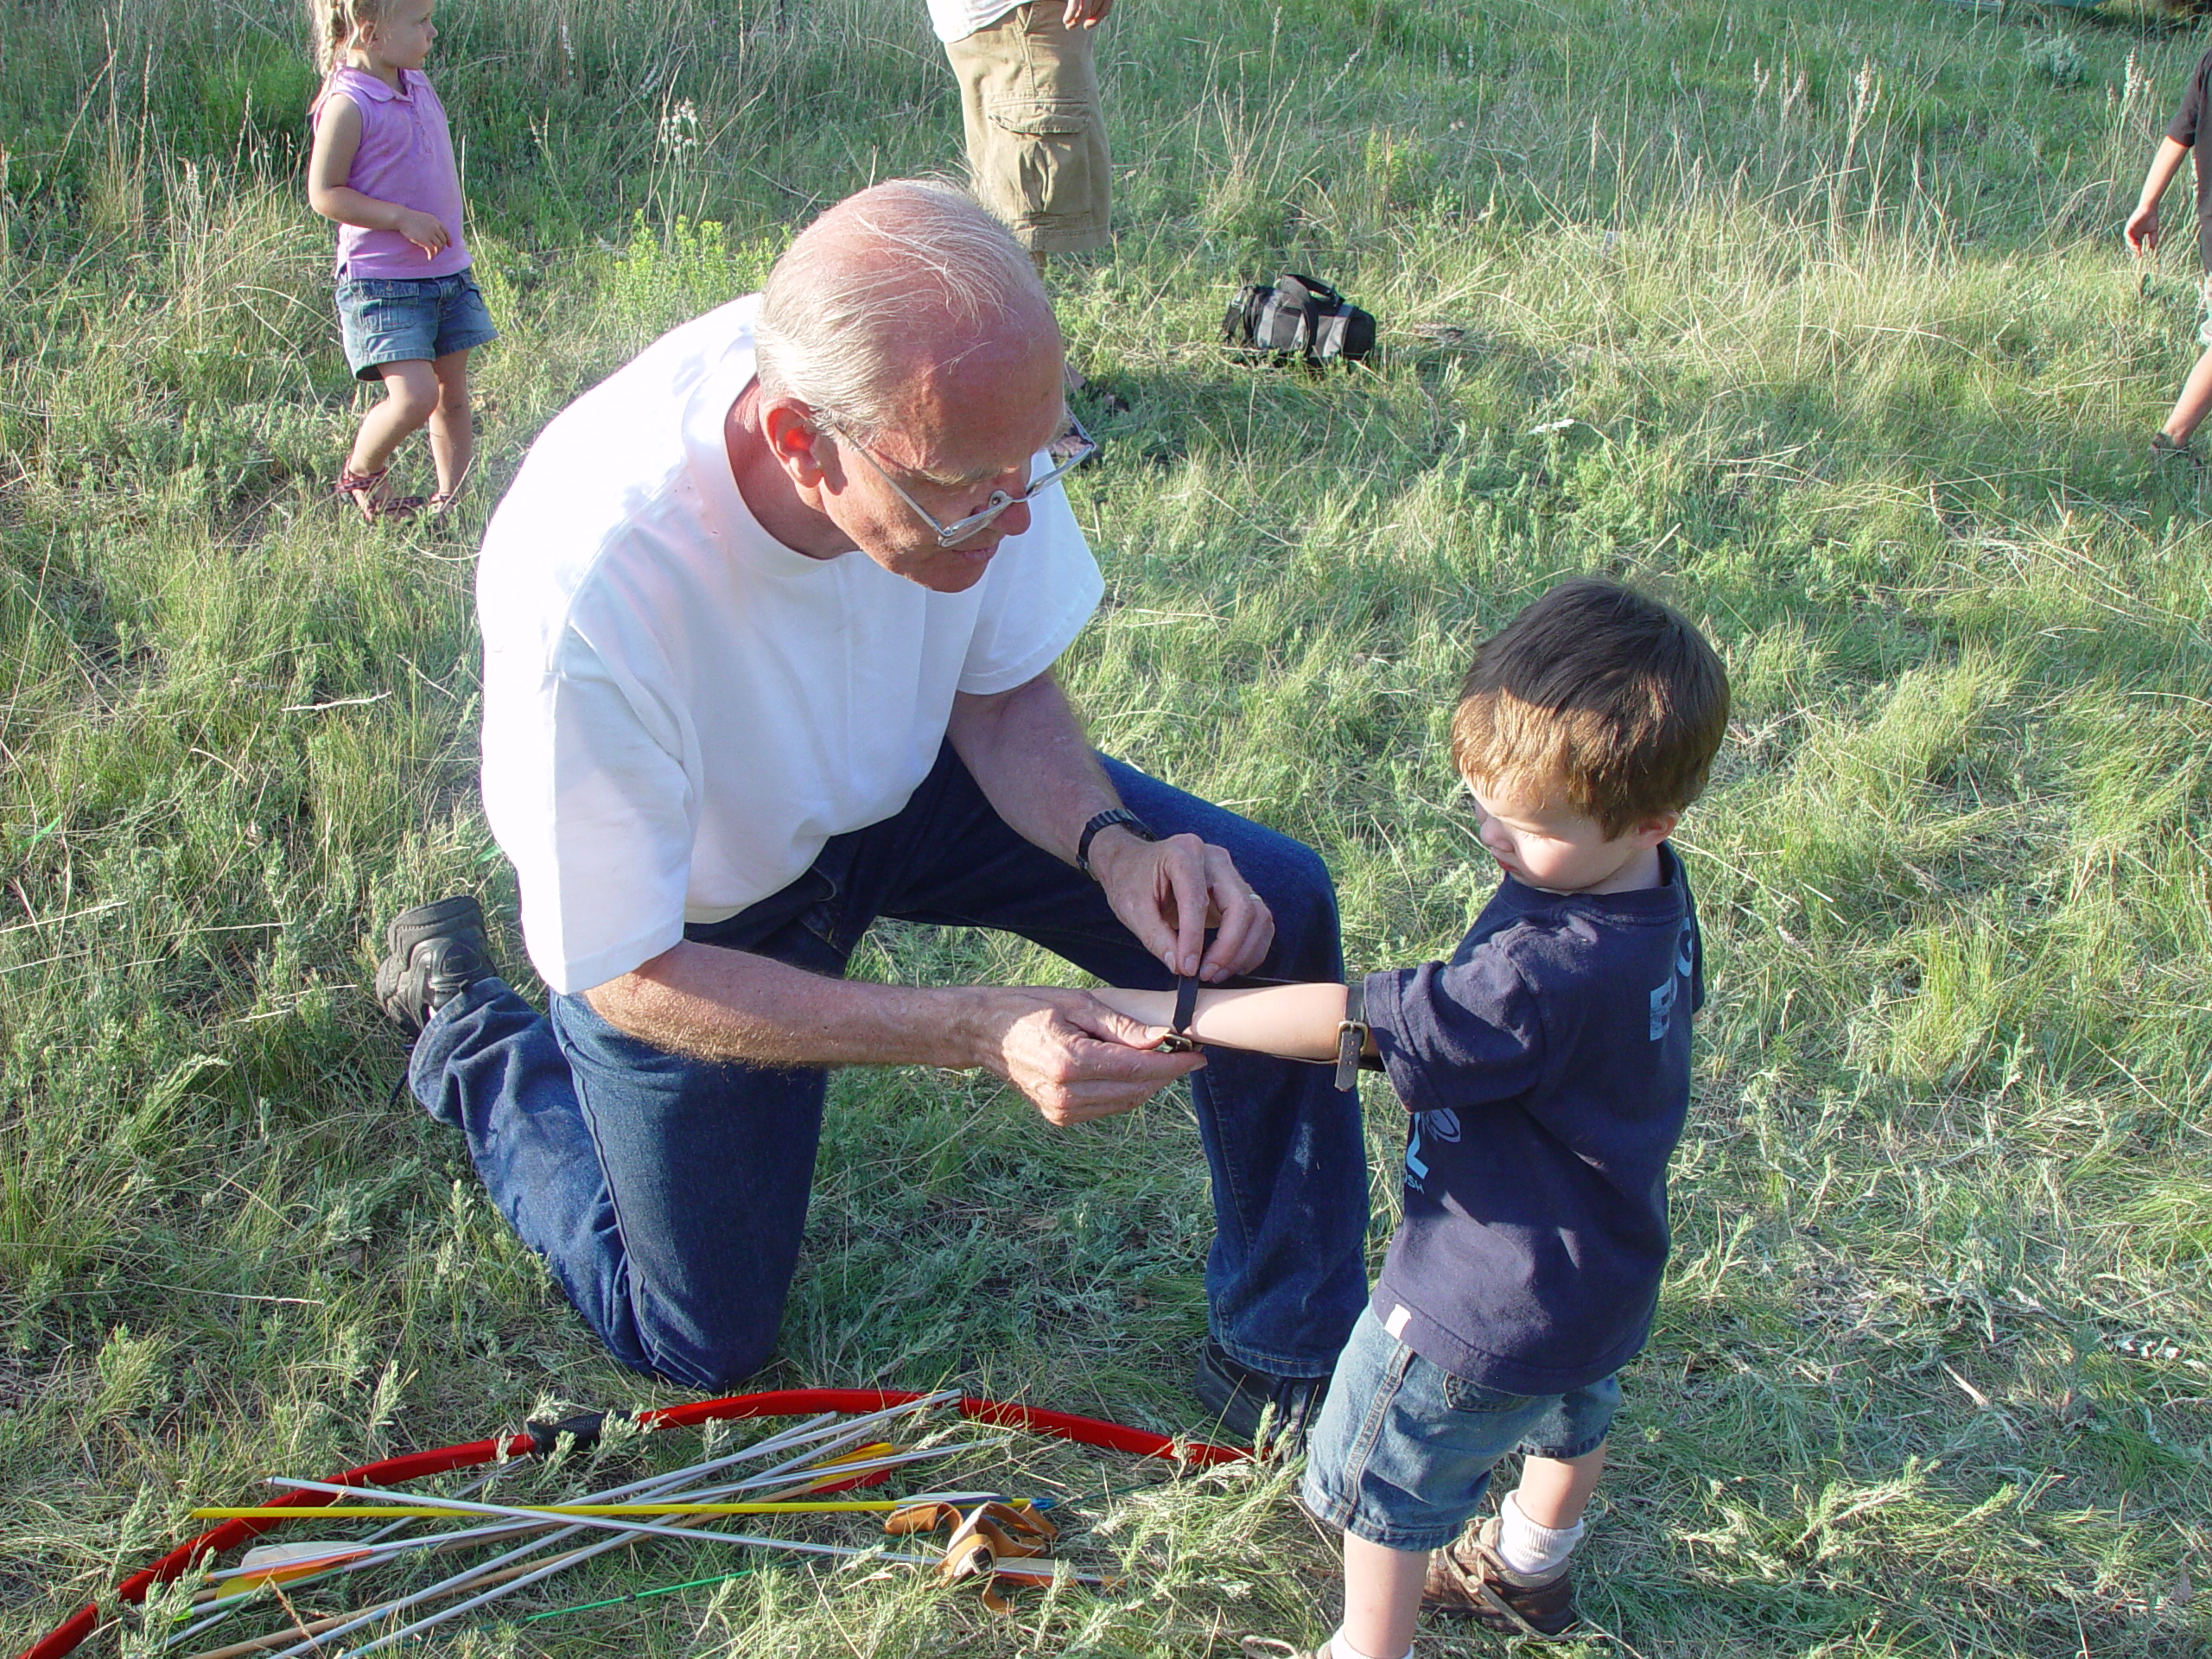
x=1113, y=815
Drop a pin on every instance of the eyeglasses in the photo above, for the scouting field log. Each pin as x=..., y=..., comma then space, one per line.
x=1067, y=452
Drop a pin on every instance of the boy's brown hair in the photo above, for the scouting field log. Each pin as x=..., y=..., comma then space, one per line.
x=1598, y=698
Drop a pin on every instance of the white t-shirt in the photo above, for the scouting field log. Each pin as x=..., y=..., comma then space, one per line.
x=955, y=19
x=678, y=709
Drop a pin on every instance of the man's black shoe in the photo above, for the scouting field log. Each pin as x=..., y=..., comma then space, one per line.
x=432, y=954
x=1238, y=1395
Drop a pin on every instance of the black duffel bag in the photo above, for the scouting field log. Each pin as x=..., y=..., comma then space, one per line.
x=1301, y=317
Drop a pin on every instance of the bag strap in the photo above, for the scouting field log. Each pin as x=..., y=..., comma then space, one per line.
x=1310, y=329
x=1313, y=286
x=1320, y=300
x=1239, y=324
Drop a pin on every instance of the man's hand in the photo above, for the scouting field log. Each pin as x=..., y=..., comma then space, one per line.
x=1026, y=750
x=1085, y=14
x=1071, y=1054
x=1168, y=892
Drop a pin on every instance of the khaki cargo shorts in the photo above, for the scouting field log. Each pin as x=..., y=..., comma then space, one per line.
x=1036, y=134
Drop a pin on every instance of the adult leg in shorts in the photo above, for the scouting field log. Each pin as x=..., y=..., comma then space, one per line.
x=1035, y=129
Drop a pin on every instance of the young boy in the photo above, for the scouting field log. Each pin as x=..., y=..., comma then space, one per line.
x=2142, y=233
x=1547, y=1065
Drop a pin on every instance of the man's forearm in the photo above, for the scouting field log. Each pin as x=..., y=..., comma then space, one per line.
x=1073, y=1057
x=730, y=1005
x=1030, y=756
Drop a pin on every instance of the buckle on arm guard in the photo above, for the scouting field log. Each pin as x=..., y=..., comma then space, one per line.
x=1351, y=1034
x=1178, y=1023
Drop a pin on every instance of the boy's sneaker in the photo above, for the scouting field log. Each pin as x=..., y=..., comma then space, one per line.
x=1466, y=1577
x=1238, y=1395
x=432, y=954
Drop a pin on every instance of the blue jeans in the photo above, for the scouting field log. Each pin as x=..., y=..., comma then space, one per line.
x=669, y=1194
x=1401, y=1453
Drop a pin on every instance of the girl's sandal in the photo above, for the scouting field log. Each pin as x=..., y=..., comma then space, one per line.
x=441, y=503
x=365, y=491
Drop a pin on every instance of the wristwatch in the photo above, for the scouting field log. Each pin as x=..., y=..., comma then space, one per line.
x=1113, y=815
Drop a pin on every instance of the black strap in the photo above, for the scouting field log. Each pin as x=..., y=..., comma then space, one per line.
x=582, y=1428
x=1187, y=1004
x=1321, y=300
x=1316, y=288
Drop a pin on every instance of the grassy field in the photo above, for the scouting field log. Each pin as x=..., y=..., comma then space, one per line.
x=1813, y=317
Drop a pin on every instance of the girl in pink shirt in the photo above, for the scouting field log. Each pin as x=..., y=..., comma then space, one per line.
x=410, y=310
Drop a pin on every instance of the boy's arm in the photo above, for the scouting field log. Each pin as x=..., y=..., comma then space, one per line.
x=2142, y=227
x=1296, y=1021
x=337, y=137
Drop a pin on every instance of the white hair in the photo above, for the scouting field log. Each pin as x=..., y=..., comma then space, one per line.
x=912, y=260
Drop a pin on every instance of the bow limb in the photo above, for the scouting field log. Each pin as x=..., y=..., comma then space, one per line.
x=71, y=1633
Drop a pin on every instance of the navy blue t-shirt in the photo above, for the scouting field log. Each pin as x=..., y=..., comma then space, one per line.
x=2182, y=131
x=1547, y=1068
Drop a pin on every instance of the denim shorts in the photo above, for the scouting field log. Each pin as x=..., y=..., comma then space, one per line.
x=1402, y=1453
x=410, y=318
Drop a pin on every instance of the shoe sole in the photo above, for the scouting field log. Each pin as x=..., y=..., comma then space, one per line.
x=441, y=917
x=1495, y=1614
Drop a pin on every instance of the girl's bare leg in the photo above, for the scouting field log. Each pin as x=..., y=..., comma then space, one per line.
x=453, y=431
x=410, y=394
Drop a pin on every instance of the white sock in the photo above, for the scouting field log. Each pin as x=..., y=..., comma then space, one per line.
x=1528, y=1549
x=1339, y=1648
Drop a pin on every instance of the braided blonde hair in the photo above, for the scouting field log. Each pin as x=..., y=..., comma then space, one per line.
x=332, y=25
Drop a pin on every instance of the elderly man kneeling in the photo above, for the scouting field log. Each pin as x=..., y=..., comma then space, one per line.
x=769, y=619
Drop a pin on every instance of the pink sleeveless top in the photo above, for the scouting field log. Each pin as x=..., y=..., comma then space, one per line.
x=405, y=157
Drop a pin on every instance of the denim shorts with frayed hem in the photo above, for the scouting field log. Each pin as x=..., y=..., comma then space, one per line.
x=410, y=318
x=1403, y=1450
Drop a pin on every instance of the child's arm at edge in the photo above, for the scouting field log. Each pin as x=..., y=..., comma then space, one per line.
x=337, y=137
x=1296, y=1021
x=2142, y=227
